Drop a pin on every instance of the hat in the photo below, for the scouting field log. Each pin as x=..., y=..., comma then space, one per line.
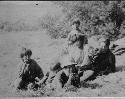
x=56, y=67
x=28, y=52
x=25, y=52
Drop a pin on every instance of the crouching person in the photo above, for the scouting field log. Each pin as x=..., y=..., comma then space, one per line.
x=29, y=72
x=72, y=74
x=67, y=78
x=97, y=62
x=50, y=75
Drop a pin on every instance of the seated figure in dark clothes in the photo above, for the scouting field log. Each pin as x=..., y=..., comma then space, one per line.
x=28, y=70
x=97, y=61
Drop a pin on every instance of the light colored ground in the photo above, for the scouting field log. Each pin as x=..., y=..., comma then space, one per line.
x=44, y=51
x=10, y=46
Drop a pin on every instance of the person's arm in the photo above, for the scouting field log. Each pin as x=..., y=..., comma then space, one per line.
x=40, y=72
x=66, y=44
x=86, y=67
x=69, y=37
x=37, y=69
x=20, y=70
x=43, y=80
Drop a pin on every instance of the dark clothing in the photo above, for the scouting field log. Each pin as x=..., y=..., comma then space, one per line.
x=73, y=77
x=101, y=64
x=27, y=72
x=30, y=71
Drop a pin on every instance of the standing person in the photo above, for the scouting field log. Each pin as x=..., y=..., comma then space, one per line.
x=75, y=33
x=75, y=44
x=74, y=55
x=28, y=70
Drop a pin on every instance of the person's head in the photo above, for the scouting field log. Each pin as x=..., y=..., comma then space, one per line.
x=104, y=43
x=75, y=24
x=56, y=68
x=25, y=55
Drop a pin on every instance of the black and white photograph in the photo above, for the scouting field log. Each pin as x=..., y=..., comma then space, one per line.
x=62, y=49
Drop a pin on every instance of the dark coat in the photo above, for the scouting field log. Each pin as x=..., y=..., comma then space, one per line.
x=29, y=71
x=102, y=63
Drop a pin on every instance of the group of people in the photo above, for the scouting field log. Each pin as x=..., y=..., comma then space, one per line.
x=81, y=60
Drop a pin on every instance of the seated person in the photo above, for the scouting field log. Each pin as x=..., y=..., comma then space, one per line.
x=28, y=70
x=97, y=61
x=67, y=77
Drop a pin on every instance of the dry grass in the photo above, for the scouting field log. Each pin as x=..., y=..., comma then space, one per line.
x=45, y=51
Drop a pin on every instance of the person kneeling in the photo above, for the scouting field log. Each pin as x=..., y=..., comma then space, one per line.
x=29, y=72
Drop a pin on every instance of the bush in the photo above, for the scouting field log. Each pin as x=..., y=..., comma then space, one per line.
x=110, y=12
x=54, y=25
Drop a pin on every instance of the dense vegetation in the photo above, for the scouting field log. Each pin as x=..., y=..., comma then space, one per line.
x=97, y=17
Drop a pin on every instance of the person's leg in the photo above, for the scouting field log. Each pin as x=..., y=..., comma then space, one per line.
x=17, y=83
x=73, y=79
x=20, y=84
x=86, y=75
x=59, y=80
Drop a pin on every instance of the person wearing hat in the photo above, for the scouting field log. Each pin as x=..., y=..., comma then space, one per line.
x=28, y=70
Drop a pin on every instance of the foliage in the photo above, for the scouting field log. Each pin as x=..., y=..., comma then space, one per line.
x=109, y=12
x=111, y=16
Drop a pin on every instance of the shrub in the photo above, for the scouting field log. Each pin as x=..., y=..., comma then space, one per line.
x=110, y=12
